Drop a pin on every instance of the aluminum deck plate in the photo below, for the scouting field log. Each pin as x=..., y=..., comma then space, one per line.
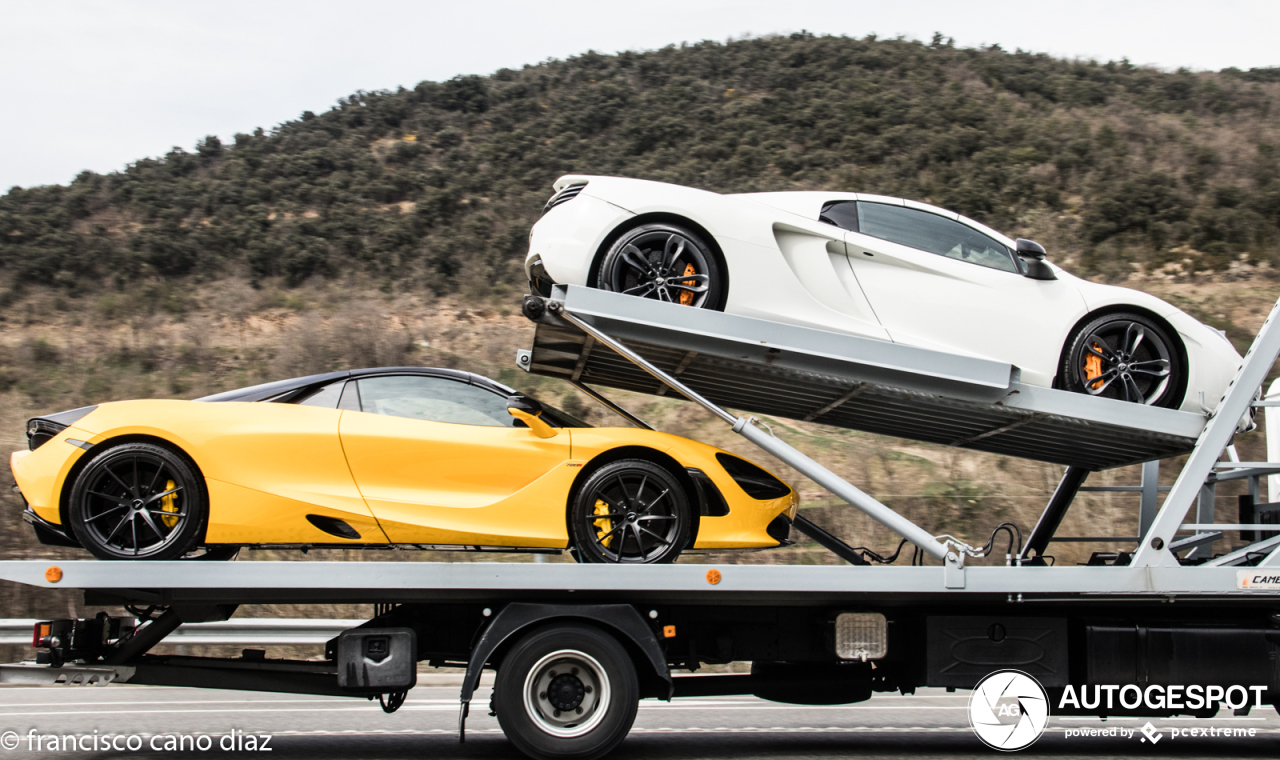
x=768, y=368
x=290, y=582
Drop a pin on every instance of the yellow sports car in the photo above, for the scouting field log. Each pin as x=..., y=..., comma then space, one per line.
x=399, y=456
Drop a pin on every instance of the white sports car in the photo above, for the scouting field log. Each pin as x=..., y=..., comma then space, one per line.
x=877, y=267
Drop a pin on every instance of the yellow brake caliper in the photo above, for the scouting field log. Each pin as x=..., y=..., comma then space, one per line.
x=686, y=297
x=1093, y=368
x=169, y=504
x=604, y=524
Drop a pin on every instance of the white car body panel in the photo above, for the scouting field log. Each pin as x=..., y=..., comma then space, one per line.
x=786, y=266
x=918, y=296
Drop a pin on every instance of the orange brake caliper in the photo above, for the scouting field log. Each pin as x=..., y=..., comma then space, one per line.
x=1093, y=368
x=686, y=297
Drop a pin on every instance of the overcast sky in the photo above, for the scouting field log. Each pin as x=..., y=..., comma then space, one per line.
x=98, y=84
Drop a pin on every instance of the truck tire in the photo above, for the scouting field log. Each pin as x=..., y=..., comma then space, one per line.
x=566, y=692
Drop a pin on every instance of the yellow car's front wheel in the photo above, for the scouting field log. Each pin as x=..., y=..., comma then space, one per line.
x=632, y=511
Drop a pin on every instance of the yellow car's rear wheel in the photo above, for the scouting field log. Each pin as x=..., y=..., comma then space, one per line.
x=137, y=501
x=630, y=512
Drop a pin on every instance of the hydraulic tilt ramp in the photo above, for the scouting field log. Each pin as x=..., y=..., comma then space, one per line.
x=587, y=335
x=768, y=368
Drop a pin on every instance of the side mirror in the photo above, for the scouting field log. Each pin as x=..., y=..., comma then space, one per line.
x=529, y=411
x=1032, y=254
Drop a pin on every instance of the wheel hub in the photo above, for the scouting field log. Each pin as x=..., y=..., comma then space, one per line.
x=565, y=692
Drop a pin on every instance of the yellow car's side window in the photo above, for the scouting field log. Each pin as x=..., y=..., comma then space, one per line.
x=436, y=399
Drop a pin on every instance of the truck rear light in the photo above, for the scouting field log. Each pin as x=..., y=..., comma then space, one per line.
x=861, y=636
x=40, y=633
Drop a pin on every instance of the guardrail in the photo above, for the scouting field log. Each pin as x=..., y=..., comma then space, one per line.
x=278, y=631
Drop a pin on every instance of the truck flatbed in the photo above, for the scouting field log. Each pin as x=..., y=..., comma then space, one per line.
x=405, y=582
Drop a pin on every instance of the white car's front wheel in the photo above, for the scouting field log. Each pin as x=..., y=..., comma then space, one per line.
x=1127, y=357
x=664, y=262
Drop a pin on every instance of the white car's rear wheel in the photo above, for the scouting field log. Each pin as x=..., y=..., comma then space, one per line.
x=664, y=262
x=1127, y=357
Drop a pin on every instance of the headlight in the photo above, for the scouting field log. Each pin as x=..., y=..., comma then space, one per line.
x=41, y=429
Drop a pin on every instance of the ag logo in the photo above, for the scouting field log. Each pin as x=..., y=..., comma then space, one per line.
x=1008, y=710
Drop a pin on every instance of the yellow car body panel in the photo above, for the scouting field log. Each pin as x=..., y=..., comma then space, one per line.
x=41, y=473
x=449, y=483
x=240, y=515
x=393, y=479
x=290, y=455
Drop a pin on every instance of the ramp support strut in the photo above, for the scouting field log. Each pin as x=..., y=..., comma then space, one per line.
x=747, y=428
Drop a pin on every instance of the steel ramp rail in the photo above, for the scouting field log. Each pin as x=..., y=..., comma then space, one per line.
x=762, y=367
x=1203, y=462
x=296, y=582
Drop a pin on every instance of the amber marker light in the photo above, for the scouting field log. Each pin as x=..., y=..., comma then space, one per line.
x=39, y=633
x=668, y=631
x=713, y=576
x=53, y=574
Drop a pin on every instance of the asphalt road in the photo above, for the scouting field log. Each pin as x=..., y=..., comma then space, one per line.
x=930, y=724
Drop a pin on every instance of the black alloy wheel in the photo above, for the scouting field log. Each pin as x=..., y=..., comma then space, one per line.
x=630, y=512
x=138, y=501
x=663, y=262
x=1126, y=357
x=566, y=691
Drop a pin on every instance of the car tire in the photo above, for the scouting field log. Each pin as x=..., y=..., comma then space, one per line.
x=566, y=692
x=138, y=501
x=664, y=262
x=631, y=511
x=1124, y=356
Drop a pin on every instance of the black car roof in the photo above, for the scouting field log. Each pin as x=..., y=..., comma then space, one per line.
x=294, y=387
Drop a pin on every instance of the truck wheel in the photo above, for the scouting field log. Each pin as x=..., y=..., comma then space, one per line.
x=138, y=501
x=566, y=691
x=630, y=511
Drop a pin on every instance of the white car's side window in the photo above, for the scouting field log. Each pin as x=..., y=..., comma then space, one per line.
x=934, y=234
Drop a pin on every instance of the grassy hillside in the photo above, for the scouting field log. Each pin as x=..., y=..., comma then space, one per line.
x=433, y=189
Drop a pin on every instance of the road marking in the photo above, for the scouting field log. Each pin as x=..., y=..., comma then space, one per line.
x=637, y=730
x=360, y=709
x=319, y=701
x=438, y=708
